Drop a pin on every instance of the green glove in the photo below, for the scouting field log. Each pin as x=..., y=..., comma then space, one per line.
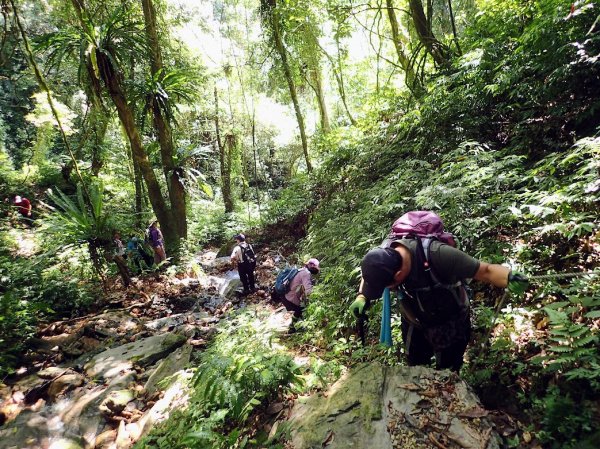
x=517, y=283
x=358, y=306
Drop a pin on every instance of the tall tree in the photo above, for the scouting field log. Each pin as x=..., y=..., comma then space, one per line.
x=102, y=59
x=404, y=58
x=422, y=23
x=159, y=105
x=224, y=160
x=272, y=21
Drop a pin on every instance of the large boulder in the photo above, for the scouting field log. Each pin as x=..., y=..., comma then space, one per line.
x=113, y=362
x=374, y=406
x=176, y=361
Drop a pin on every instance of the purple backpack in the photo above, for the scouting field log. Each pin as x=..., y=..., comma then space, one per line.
x=432, y=304
x=421, y=223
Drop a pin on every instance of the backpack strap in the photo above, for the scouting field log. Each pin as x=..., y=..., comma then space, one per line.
x=424, y=249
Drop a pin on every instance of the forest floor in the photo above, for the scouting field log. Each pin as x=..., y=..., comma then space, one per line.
x=64, y=385
x=98, y=380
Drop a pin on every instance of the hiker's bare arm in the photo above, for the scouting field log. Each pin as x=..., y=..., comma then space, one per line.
x=494, y=274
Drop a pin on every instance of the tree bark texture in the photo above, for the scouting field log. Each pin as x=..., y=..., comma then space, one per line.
x=159, y=206
x=224, y=162
x=317, y=85
x=173, y=174
x=411, y=80
x=280, y=48
x=434, y=47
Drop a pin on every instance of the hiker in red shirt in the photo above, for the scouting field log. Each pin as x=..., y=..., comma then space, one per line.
x=23, y=206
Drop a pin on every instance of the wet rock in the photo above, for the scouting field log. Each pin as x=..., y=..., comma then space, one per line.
x=113, y=324
x=64, y=383
x=392, y=407
x=55, y=342
x=213, y=303
x=143, y=352
x=66, y=443
x=175, y=396
x=174, y=321
x=106, y=440
x=170, y=365
x=116, y=402
x=28, y=430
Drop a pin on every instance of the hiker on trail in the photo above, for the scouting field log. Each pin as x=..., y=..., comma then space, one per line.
x=300, y=288
x=244, y=257
x=427, y=272
x=156, y=241
x=119, y=257
x=137, y=253
x=23, y=206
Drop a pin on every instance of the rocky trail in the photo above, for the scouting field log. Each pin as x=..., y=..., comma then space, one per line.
x=94, y=382
x=106, y=379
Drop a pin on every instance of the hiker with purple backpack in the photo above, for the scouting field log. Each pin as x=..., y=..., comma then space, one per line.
x=420, y=262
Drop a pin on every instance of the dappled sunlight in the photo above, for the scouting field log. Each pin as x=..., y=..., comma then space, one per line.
x=25, y=242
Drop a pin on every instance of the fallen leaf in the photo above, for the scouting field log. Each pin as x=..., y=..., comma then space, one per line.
x=410, y=387
x=474, y=412
x=327, y=441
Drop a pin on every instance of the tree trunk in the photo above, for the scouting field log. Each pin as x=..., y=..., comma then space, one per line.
x=339, y=76
x=290, y=81
x=173, y=174
x=139, y=194
x=99, y=126
x=159, y=206
x=423, y=28
x=224, y=162
x=410, y=77
x=317, y=85
x=112, y=80
x=453, y=23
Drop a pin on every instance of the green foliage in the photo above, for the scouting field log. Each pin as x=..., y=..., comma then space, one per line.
x=17, y=324
x=571, y=348
x=50, y=286
x=244, y=368
x=74, y=220
x=498, y=148
x=565, y=420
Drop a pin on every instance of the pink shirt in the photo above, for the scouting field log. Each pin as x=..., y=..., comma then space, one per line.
x=300, y=287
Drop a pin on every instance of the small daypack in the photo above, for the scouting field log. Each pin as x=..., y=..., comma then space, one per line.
x=248, y=255
x=428, y=298
x=284, y=280
x=421, y=223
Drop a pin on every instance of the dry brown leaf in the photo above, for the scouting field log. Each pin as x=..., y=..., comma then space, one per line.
x=410, y=387
x=473, y=412
x=329, y=439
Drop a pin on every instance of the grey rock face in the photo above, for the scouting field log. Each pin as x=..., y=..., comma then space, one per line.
x=110, y=363
x=393, y=407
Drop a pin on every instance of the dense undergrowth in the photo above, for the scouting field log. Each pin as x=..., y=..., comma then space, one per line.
x=244, y=369
x=505, y=148
x=504, y=145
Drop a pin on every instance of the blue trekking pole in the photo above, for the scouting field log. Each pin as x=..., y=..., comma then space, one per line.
x=385, y=337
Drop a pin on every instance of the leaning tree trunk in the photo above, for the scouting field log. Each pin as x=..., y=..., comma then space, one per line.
x=110, y=77
x=423, y=28
x=291, y=85
x=159, y=206
x=173, y=174
x=410, y=78
x=317, y=85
